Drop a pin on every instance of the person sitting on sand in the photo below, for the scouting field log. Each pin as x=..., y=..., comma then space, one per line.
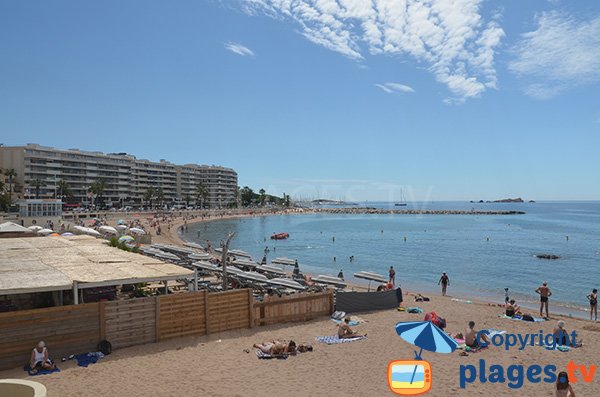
x=344, y=330
x=39, y=358
x=276, y=348
x=563, y=388
x=471, y=336
x=512, y=308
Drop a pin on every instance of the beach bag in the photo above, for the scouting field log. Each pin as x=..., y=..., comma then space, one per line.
x=441, y=322
x=527, y=317
x=105, y=347
x=431, y=316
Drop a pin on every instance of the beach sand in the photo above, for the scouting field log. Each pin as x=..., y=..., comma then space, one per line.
x=217, y=365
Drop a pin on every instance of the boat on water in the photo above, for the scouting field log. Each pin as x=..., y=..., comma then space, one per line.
x=402, y=202
x=280, y=236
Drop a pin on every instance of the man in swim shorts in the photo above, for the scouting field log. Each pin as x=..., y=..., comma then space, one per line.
x=545, y=293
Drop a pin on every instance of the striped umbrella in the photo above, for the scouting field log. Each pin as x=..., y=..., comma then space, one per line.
x=426, y=335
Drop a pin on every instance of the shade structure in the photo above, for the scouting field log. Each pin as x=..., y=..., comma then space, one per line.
x=336, y=282
x=239, y=253
x=45, y=232
x=253, y=276
x=121, y=227
x=137, y=230
x=67, y=234
x=244, y=263
x=120, y=222
x=209, y=267
x=11, y=227
x=286, y=282
x=35, y=228
x=126, y=239
x=200, y=256
x=271, y=270
x=194, y=245
x=426, y=335
x=371, y=276
x=284, y=261
x=108, y=229
x=54, y=235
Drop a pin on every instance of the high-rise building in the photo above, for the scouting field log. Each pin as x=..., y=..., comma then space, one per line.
x=44, y=172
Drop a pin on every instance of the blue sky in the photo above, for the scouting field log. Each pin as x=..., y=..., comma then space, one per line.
x=337, y=99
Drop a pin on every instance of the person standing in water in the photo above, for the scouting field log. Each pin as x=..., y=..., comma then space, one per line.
x=593, y=298
x=545, y=293
x=392, y=276
x=445, y=281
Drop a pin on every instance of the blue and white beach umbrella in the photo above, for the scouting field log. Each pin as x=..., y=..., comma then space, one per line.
x=426, y=335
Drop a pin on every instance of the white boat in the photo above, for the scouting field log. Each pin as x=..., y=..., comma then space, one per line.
x=331, y=280
x=284, y=261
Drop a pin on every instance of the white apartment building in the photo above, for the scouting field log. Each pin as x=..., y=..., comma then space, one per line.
x=126, y=179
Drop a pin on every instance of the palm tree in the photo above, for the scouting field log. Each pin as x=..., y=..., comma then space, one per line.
x=187, y=200
x=201, y=194
x=10, y=173
x=148, y=195
x=97, y=188
x=64, y=190
x=160, y=195
x=37, y=184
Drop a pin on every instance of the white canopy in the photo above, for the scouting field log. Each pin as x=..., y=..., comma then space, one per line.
x=11, y=227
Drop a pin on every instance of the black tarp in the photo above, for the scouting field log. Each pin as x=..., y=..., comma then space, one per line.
x=353, y=302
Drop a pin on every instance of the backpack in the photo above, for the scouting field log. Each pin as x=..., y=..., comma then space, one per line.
x=527, y=317
x=105, y=347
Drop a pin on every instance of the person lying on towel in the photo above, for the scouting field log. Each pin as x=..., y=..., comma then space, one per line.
x=344, y=330
x=39, y=358
x=276, y=348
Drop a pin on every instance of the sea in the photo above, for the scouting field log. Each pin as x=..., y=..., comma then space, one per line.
x=482, y=254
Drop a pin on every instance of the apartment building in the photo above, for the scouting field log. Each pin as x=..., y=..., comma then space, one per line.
x=126, y=179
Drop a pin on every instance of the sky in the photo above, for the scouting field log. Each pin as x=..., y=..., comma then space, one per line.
x=341, y=99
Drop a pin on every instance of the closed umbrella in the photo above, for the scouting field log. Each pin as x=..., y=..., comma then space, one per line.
x=426, y=335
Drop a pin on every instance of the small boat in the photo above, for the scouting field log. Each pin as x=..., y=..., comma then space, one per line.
x=402, y=202
x=280, y=236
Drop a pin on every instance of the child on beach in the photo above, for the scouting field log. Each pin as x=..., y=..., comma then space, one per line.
x=593, y=298
x=563, y=388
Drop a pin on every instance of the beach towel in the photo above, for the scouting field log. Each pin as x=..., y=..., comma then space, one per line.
x=352, y=322
x=416, y=310
x=334, y=339
x=27, y=368
x=338, y=315
x=85, y=359
x=519, y=318
x=266, y=356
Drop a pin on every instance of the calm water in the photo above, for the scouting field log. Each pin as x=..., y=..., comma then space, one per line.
x=456, y=244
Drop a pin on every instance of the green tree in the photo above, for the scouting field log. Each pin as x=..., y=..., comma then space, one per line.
x=160, y=195
x=201, y=194
x=98, y=188
x=149, y=195
x=10, y=173
x=64, y=189
x=187, y=200
x=246, y=196
x=37, y=184
x=262, y=196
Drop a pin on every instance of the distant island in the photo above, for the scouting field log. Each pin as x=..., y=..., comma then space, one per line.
x=506, y=200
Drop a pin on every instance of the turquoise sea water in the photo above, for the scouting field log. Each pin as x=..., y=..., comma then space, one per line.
x=456, y=244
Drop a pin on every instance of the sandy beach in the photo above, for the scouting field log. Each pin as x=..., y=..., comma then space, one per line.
x=217, y=365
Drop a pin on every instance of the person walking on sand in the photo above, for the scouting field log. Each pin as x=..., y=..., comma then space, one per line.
x=593, y=298
x=545, y=293
x=392, y=276
x=445, y=281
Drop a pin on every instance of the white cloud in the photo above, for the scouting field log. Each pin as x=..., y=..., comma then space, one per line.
x=391, y=88
x=561, y=53
x=449, y=36
x=239, y=49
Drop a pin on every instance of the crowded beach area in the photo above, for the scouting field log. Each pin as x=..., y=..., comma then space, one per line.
x=331, y=353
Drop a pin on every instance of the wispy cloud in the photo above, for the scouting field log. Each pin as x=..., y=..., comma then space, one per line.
x=561, y=53
x=391, y=88
x=451, y=38
x=239, y=49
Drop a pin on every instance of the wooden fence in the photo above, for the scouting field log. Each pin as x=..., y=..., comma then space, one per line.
x=76, y=329
x=293, y=308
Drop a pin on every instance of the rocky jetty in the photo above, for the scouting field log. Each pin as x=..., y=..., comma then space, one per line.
x=378, y=211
